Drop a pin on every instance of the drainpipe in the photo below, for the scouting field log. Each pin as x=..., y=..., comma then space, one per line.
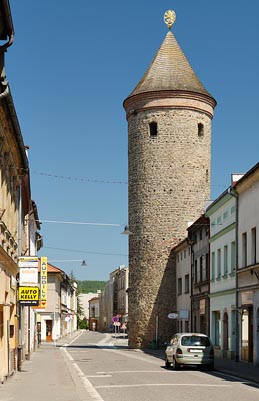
x=233, y=193
x=19, y=254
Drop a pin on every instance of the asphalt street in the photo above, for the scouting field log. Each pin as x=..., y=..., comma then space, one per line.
x=93, y=366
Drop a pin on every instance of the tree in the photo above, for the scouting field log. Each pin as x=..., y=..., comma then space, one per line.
x=81, y=319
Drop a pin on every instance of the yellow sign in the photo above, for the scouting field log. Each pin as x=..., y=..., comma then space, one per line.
x=43, y=281
x=28, y=296
x=28, y=293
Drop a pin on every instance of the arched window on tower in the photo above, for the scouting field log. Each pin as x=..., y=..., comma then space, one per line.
x=200, y=129
x=153, y=129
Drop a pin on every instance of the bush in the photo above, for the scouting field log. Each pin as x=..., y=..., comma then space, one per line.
x=82, y=324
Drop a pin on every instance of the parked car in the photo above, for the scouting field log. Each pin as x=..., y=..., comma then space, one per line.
x=189, y=349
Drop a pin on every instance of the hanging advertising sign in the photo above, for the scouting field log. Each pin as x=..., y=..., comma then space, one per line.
x=43, y=281
x=28, y=276
x=28, y=261
x=28, y=296
x=28, y=270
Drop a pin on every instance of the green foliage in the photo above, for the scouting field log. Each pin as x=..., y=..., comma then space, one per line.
x=82, y=323
x=90, y=286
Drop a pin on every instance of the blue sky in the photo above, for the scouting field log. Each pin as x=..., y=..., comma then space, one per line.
x=71, y=66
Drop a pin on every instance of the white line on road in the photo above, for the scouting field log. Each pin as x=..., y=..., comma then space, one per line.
x=163, y=384
x=94, y=395
x=132, y=371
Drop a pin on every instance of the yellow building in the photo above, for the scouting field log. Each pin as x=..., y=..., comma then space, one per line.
x=14, y=195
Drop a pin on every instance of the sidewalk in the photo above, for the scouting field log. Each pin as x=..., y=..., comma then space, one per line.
x=45, y=377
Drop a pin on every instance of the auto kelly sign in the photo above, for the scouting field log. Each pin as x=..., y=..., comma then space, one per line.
x=28, y=296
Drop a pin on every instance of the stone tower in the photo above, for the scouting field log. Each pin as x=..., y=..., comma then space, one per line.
x=169, y=117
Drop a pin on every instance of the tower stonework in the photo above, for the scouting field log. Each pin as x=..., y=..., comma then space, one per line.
x=169, y=117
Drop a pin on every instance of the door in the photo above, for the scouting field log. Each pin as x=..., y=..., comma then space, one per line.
x=225, y=335
x=48, y=330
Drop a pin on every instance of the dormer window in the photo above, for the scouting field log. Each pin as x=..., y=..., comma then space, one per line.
x=153, y=129
x=200, y=129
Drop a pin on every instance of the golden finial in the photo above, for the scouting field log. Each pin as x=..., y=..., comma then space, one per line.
x=169, y=18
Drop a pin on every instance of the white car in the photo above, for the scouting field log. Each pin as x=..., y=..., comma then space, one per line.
x=189, y=349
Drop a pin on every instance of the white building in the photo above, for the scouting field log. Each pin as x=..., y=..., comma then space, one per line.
x=222, y=215
x=247, y=190
x=183, y=286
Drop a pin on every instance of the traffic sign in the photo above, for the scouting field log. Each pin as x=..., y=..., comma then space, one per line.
x=173, y=315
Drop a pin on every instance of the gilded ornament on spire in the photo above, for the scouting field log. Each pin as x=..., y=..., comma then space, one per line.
x=169, y=18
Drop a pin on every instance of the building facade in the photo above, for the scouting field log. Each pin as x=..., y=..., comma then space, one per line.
x=198, y=235
x=222, y=215
x=59, y=317
x=169, y=117
x=247, y=192
x=183, y=282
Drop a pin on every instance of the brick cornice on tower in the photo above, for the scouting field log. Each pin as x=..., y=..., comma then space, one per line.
x=169, y=99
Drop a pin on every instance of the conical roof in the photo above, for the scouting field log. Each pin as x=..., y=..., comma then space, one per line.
x=169, y=70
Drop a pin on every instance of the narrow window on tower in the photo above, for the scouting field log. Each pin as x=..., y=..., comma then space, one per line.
x=153, y=129
x=200, y=129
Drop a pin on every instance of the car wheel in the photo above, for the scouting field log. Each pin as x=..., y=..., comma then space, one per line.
x=175, y=364
x=167, y=363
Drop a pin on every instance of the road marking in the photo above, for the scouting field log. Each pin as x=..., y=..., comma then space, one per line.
x=99, y=375
x=94, y=395
x=132, y=371
x=163, y=385
x=71, y=342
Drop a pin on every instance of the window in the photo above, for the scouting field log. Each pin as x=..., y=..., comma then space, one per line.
x=218, y=263
x=213, y=265
x=195, y=272
x=187, y=284
x=201, y=268
x=200, y=129
x=244, y=250
x=219, y=220
x=1, y=322
x=216, y=321
x=187, y=326
x=200, y=234
x=225, y=260
x=253, y=246
x=207, y=267
x=180, y=286
x=153, y=129
x=225, y=215
x=233, y=256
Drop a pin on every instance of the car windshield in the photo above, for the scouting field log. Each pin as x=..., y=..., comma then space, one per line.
x=195, y=341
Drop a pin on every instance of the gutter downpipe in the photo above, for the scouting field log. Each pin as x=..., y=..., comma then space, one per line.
x=233, y=193
x=19, y=364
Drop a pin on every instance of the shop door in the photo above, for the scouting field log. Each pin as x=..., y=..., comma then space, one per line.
x=49, y=330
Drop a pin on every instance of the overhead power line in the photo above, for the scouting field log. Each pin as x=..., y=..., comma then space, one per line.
x=78, y=251
x=63, y=177
x=80, y=223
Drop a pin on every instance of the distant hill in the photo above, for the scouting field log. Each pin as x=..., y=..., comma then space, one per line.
x=85, y=286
